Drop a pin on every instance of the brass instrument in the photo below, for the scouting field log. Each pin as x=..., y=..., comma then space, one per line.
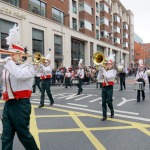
x=148, y=73
x=120, y=68
x=38, y=58
x=99, y=59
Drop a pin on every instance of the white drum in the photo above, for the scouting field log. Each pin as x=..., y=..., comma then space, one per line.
x=138, y=86
x=75, y=81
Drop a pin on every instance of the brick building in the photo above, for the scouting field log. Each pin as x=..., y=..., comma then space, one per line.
x=70, y=29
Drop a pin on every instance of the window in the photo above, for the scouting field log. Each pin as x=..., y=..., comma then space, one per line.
x=37, y=40
x=86, y=24
x=13, y=2
x=38, y=7
x=97, y=7
x=5, y=26
x=116, y=29
x=104, y=7
x=117, y=40
x=57, y=15
x=97, y=34
x=74, y=23
x=125, y=26
x=104, y=20
x=97, y=20
x=116, y=19
x=104, y=34
x=58, y=44
x=85, y=7
x=74, y=7
x=125, y=45
x=125, y=35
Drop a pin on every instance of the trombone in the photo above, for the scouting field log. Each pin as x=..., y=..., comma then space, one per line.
x=99, y=59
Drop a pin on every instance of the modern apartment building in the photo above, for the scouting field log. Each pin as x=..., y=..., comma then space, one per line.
x=70, y=29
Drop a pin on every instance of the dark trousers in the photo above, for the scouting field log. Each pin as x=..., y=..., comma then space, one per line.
x=141, y=91
x=80, y=86
x=149, y=81
x=122, y=81
x=107, y=94
x=45, y=85
x=16, y=118
x=37, y=81
x=67, y=82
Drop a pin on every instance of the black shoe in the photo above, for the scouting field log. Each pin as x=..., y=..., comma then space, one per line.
x=41, y=106
x=120, y=89
x=138, y=100
x=51, y=104
x=112, y=114
x=81, y=90
x=143, y=98
x=78, y=93
x=104, y=118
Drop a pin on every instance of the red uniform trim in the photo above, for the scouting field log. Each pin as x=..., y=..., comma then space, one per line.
x=18, y=95
x=109, y=83
x=46, y=77
x=17, y=47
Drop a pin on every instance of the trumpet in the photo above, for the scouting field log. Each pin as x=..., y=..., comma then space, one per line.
x=38, y=58
x=99, y=59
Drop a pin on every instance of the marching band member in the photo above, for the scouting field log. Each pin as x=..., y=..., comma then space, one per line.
x=107, y=77
x=17, y=89
x=80, y=76
x=141, y=76
x=46, y=75
x=122, y=75
x=67, y=78
x=148, y=75
x=37, y=79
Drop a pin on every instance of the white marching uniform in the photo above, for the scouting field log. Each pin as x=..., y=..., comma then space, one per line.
x=46, y=72
x=80, y=73
x=21, y=78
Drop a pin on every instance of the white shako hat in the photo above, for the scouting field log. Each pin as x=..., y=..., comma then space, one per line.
x=111, y=58
x=140, y=63
x=122, y=62
x=48, y=58
x=13, y=40
x=80, y=62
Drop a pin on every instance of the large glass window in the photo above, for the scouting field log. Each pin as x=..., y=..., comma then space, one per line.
x=58, y=45
x=100, y=49
x=104, y=7
x=74, y=7
x=104, y=34
x=85, y=7
x=97, y=7
x=13, y=2
x=97, y=20
x=5, y=26
x=74, y=23
x=116, y=19
x=57, y=15
x=38, y=7
x=97, y=34
x=125, y=45
x=125, y=35
x=125, y=26
x=116, y=29
x=77, y=51
x=86, y=24
x=104, y=20
x=37, y=40
x=117, y=40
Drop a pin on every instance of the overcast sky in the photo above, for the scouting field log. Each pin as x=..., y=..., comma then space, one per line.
x=141, y=11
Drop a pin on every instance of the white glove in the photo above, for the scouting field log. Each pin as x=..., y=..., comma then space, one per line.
x=101, y=68
x=7, y=59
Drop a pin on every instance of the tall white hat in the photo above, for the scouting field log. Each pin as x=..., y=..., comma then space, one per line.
x=81, y=60
x=48, y=58
x=122, y=62
x=13, y=40
x=140, y=63
x=111, y=58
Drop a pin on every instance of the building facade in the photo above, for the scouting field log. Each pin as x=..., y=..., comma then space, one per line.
x=70, y=29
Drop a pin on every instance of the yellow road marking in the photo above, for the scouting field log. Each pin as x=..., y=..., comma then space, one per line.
x=54, y=116
x=33, y=127
x=89, y=135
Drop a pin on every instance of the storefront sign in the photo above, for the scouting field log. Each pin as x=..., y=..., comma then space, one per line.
x=10, y=12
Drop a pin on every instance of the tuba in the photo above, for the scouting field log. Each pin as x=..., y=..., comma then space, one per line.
x=99, y=59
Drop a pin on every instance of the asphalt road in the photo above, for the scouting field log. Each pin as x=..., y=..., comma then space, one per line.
x=74, y=122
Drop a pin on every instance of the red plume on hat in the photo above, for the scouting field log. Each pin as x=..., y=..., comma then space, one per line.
x=13, y=40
